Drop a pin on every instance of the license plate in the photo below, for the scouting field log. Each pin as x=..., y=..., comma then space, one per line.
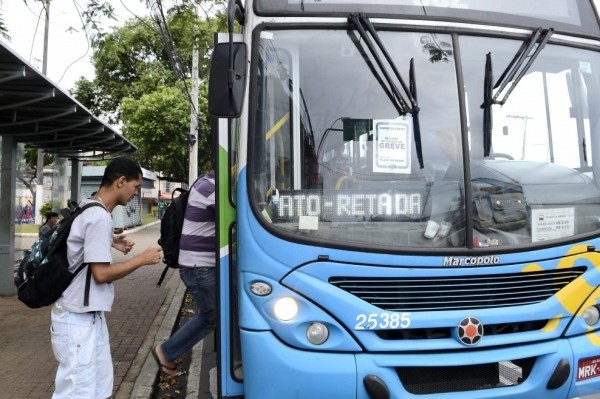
x=588, y=368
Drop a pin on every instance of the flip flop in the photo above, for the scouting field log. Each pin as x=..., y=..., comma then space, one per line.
x=164, y=367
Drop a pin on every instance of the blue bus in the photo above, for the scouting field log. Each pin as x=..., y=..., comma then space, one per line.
x=409, y=199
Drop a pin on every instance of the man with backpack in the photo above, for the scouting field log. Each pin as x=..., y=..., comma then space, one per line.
x=79, y=333
x=197, y=270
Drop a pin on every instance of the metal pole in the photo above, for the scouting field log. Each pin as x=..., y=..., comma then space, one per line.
x=523, y=118
x=39, y=177
x=193, y=172
x=46, y=36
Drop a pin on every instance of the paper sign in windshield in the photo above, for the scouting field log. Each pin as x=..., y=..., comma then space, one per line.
x=392, y=147
x=548, y=224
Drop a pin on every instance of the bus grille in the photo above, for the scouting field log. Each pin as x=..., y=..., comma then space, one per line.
x=446, y=332
x=444, y=379
x=458, y=292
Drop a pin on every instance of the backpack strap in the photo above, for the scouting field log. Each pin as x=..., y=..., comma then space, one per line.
x=91, y=204
x=88, y=282
x=88, y=277
x=162, y=276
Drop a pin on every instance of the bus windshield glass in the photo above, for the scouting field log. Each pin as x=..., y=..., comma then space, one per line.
x=334, y=162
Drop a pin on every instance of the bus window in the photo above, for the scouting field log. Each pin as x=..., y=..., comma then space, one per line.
x=332, y=149
x=357, y=157
x=273, y=122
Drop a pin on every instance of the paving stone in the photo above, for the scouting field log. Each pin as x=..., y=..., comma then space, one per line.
x=28, y=366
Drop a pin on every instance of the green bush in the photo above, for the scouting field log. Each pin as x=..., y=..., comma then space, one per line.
x=47, y=207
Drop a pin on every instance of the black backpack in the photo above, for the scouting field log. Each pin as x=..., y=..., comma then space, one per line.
x=43, y=274
x=171, y=225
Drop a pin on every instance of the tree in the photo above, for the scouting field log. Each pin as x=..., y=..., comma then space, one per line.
x=158, y=123
x=28, y=173
x=143, y=57
x=135, y=64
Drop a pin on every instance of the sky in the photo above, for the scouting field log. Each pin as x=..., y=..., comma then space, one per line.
x=68, y=50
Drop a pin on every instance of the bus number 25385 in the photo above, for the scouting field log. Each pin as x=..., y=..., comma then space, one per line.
x=382, y=321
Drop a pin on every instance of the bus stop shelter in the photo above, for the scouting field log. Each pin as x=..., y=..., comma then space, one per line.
x=36, y=112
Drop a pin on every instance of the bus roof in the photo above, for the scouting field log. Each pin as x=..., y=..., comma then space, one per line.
x=577, y=17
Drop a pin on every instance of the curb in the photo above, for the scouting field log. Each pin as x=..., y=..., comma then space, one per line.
x=194, y=371
x=144, y=384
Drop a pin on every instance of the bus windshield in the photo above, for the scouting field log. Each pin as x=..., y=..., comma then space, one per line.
x=334, y=162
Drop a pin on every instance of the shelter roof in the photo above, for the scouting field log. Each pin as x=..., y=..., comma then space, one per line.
x=37, y=112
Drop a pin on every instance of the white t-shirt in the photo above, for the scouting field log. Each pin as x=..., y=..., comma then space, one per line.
x=90, y=241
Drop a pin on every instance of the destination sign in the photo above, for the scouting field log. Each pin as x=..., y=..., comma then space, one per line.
x=347, y=204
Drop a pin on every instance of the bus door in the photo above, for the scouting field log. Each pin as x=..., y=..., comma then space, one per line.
x=225, y=107
x=229, y=365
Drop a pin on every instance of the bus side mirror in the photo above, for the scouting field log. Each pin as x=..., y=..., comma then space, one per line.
x=227, y=86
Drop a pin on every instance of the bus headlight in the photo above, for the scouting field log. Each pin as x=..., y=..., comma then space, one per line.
x=591, y=315
x=285, y=308
x=261, y=288
x=317, y=333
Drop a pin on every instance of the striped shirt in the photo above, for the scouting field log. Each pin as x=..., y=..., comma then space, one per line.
x=197, y=245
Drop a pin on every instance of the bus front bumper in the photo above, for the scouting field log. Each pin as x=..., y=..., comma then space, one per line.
x=275, y=370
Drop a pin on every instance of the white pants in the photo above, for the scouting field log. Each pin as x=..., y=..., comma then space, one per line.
x=81, y=347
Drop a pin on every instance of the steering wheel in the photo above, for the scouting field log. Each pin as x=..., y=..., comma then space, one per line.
x=344, y=182
x=501, y=155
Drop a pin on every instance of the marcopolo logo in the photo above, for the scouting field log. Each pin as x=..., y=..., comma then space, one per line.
x=471, y=260
x=470, y=331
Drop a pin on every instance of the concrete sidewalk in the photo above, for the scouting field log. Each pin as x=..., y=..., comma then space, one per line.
x=142, y=316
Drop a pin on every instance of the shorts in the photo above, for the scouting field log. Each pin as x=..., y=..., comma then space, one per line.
x=80, y=343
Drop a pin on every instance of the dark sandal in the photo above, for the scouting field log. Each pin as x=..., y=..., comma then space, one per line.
x=165, y=368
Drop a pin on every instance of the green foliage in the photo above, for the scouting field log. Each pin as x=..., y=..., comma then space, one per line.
x=31, y=157
x=158, y=123
x=135, y=64
x=143, y=80
x=94, y=9
x=47, y=207
x=134, y=59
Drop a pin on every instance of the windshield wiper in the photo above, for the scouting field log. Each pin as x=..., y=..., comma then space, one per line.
x=402, y=105
x=488, y=89
x=361, y=22
x=514, y=72
x=416, y=124
x=539, y=37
